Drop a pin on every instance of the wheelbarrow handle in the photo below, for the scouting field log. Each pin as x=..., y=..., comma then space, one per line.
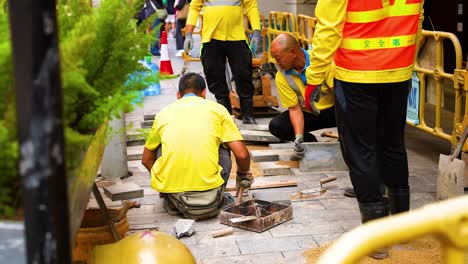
x=459, y=147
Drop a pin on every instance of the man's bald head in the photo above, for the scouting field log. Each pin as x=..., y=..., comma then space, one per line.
x=285, y=41
x=287, y=53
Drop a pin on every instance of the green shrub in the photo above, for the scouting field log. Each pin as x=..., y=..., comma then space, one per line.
x=99, y=48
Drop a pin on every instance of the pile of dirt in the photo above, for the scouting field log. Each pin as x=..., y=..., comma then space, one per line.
x=425, y=250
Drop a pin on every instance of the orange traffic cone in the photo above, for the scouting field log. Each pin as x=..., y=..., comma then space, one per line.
x=165, y=66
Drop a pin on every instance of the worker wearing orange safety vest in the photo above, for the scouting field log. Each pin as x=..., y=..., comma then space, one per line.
x=373, y=44
x=223, y=37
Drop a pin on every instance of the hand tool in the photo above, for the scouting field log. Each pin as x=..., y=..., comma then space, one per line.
x=330, y=135
x=450, y=180
x=222, y=232
x=321, y=189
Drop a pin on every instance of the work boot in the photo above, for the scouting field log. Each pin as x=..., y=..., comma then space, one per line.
x=349, y=192
x=372, y=211
x=226, y=102
x=246, y=105
x=399, y=200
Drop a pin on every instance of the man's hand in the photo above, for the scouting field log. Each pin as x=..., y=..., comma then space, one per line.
x=188, y=43
x=312, y=95
x=244, y=181
x=255, y=41
x=298, y=148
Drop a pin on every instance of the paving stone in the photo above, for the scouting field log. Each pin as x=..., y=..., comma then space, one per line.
x=325, y=239
x=281, y=145
x=149, y=117
x=340, y=203
x=135, y=152
x=266, y=258
x=258, y=136
x=316, y=216
x=273, y=168
x=276, y=244
x=257, y=127
x=272, y=155
x=123, y=191
x=152, y=218
x=285, y=230
x=204, y=251
x=420, y=199
x=294, y=256
x=205, y=237
x=350, y=224
x=146, y=124
x=209, y=225
x=150, y=191
x=321, y=156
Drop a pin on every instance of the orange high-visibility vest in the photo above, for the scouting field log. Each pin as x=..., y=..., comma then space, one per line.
x=379, y=35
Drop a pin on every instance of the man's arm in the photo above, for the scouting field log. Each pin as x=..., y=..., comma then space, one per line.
x=242, y=155
x=297, y=119
x=148, y=159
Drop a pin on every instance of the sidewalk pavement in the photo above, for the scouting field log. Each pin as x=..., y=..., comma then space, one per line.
x=315, y=223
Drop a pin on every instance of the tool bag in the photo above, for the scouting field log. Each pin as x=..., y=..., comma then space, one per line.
x=198, y=205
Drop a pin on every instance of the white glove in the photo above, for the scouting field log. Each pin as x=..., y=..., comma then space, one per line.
x=188, y=43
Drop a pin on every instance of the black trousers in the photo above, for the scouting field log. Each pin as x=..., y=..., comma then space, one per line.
x=281, y=126
x=371, y=121
x=180, y=24
x=213, y=58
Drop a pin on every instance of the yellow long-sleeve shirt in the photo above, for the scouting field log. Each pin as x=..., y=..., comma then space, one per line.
x=331, y=16
x=224, y=20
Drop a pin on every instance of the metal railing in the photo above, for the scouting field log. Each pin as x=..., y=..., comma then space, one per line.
x=438, y=74
x=446, y=221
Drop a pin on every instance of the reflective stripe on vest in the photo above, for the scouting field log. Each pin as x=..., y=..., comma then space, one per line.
x=293, y=86
x=396, y=21
x=222, y=2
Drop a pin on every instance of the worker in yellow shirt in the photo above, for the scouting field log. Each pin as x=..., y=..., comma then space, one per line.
x=186, y=156
x=296, y=123
x=223, y=37
x=373, y=44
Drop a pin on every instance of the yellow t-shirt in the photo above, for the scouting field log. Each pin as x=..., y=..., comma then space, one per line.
x=190, y=132
x=288, y=97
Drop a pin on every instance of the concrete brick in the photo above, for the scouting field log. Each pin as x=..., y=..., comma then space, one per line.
x=257, y=127
x=294, y=256
x=123, y=191
x=146, y=124
x=203, y=251
x=325, y=239
x=321, y=156
x=281, y=145
x=265, y=258
x=286, y=229
x=276, y=244
x=135, y=152
x=258, y=136
x=273, y=168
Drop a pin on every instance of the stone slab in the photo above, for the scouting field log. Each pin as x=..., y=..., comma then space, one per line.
x=149, y=117
x=276, y=244
x=257, y=127
x=265, y=258
x=273, y=168
x=281, y=146
x=123, y=191
x=147, y=124
x=258, y=136
x=12, y=244
x=135, y=152
x=271, y=155
x=322, y=156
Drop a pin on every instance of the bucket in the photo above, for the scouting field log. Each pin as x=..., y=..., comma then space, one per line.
x=95, y=231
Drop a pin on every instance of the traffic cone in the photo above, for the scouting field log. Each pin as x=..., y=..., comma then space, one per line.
x=165, y=66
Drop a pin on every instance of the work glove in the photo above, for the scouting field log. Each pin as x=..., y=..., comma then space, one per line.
x=188, y=43
x=312, y=95
x=255, y=41
x=244, y=179
x=298, y=148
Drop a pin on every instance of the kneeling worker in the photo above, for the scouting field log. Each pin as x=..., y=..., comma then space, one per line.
x=307, y=110
x=185, y=155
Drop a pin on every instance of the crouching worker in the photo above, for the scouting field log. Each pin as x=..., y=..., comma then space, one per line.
x=307, y=110
x=188, y=152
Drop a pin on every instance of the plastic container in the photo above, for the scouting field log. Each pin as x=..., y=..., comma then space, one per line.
x=153, y=88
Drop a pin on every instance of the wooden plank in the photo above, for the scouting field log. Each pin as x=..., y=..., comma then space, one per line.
x=266, y=185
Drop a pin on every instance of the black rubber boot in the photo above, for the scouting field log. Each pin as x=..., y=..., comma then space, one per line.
x=399, y=200
x=372, y=211
x=226, y=102
x=246, y=106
